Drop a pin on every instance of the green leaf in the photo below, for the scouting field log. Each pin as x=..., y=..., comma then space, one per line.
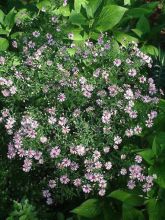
x=4, y=44
x=71, y=51
x=150, y=49
x=127, y=2
x=138, y=12
x=16, y=35
x=137, y=32
x=134, y=200
x=123, y=38
x=9, y=19
x=150, y=5
x=148, y=155
x=115, y=47
x=60, y=216
x=2, y=15
x=16, y=62
x=162, y=104
x=143, y=25
x=109, y=17
x=159, y=143
x=77, y=18
x=127, y=198
x=130, y=213
x=94, y=35
x=3, y=32
x=64, y=11
x=92, y=7
x=119, y=195
x=159, y=169
x=43, y=4
x=90, y=209
x=155, y=209
x=79, y=3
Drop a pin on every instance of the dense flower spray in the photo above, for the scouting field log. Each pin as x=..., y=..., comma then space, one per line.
x=76, y=113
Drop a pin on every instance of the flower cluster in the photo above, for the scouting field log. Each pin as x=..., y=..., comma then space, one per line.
x=73, y=108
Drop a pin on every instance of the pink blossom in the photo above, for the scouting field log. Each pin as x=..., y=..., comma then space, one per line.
x=117, y=62
x=131, y=184
x=6, y=92
x=61, y=97
x=77, y=182
x=52, y=184
x=64, y=179
x=55, y=152
x=117, y=140
x=86, y=188
x=138, y=159
x=108, y=165
x=132, y=72
x=106, y=117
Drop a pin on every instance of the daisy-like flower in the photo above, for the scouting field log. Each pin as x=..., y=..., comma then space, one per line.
x=117, y=140
x=86, y=188
x=108, y=165
x=132, y=72
x=117, y=62
x=55, y=152
x=70, y=36
x=61, y=97
x=36, y=34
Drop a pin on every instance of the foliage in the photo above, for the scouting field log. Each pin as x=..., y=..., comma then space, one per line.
x=6, y=25
x=131, y=205
x=141, y=22
x=79, y=112
x=64, y=118
x=23, y=211
x=158, y=70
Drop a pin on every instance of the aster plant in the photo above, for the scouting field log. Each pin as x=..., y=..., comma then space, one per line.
x=72, y=111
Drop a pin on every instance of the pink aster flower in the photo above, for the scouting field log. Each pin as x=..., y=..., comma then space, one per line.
x=36, y=34
x=106, y=117
x=77, y=182
x=80, y=150
x=137, y=130
x=27, y=165
x=117, y=140
x=46, y=193
x=2, y=60
x=123, y=171
x=132, y=72
x=49, y=201
x=131, y=184
x=117, y=62
x=65, y=129
x=138, y=159
x=64, y=179
x=52, y=184
x=55, y=152
x=61, y=97
x=52, y=120
x=86, y=188
x=6, y=92
x=101, y=192
x=108, y=165
x=62, y=121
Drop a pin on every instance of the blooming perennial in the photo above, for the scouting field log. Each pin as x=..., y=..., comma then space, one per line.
x=75, y=109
